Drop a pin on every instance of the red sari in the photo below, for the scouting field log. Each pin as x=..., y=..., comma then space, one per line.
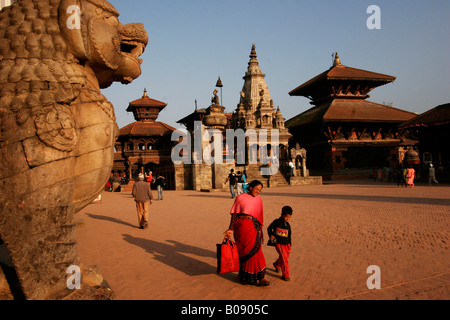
x=410, y=174
x=247, y=225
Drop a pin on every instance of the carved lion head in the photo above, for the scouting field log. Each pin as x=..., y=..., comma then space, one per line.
x=50, y=50
x=96, y=36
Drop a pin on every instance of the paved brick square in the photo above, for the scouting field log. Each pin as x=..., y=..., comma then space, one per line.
x=339, y=230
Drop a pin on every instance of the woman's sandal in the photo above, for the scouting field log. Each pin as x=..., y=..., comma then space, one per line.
x=263, y=283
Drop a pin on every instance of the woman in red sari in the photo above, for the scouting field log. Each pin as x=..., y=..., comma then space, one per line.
x=246, y=223
x=410, y=175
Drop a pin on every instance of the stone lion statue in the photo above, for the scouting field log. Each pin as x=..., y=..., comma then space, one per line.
x=57, y=131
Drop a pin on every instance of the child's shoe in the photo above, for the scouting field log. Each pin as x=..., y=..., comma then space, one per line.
x=276, y=269
x=285, y=278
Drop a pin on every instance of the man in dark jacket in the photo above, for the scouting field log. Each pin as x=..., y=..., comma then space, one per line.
x=160, y=185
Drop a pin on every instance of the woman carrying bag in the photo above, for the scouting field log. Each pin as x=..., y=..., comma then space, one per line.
x=246, y=226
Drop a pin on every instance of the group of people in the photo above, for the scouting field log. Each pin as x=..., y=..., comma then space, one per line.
x=247, y=220
x=159, y=181
x=406, y=176
x=246, y=225
x=238, y=181
x=142, y=194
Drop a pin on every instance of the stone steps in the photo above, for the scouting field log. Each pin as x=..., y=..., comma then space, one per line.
x=254, y=173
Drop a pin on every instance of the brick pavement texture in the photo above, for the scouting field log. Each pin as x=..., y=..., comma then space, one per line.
x=339, y=230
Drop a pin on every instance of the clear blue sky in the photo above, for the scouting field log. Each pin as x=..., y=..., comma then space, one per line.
x=192, y=43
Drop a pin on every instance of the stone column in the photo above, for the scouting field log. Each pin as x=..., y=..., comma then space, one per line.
x=217, y=170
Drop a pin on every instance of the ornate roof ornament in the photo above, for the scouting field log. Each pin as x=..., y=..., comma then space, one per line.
x=337, y=60
x=253, y=54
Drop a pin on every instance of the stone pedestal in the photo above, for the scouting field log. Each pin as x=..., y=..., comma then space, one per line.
x=57, y=130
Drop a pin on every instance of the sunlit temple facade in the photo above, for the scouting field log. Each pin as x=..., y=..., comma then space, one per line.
x=346, y=135
x=254, y=113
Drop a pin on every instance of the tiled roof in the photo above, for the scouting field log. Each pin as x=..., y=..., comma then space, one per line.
x=436, y=116
x=362, y=110
x=146, y=102
x=146, y=128
x=341, y=72
x=351, y=111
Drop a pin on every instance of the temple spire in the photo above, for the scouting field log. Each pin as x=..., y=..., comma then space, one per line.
x=255, y=89
x=253, y=64
x=253, y=54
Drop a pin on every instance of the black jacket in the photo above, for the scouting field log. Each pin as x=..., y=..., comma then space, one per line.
x=281, y=230
x=161, y=181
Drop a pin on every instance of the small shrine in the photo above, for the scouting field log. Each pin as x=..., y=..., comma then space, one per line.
x=196, y=173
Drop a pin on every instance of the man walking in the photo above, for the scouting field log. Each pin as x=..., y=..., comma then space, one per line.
x=232, y=179
x=432, y=175
x=291, y=167
x=143, y=197
x=239, y=183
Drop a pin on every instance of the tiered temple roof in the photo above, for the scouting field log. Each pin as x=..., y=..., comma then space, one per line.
x=340, y=93
x=146, y=111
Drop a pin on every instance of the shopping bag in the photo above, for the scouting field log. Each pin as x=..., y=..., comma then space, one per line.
x=272, y=243
x=227, y=256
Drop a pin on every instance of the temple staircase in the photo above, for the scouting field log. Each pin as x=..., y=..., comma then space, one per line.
x=254, y=173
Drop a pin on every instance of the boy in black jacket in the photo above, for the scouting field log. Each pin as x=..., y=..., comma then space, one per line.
x=280, y=230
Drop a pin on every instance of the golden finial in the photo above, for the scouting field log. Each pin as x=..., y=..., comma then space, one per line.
x=337, y=60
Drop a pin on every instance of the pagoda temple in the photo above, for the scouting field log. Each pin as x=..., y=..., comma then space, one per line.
x=145, y=145
x=347, y=136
